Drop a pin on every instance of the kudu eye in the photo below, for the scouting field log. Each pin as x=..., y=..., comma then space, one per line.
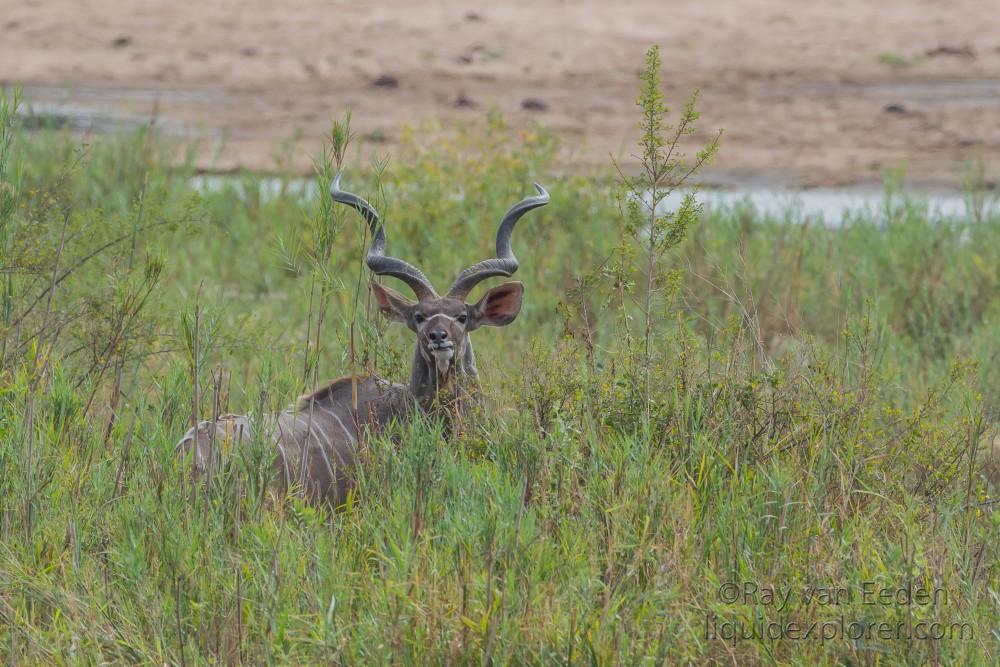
x=419, y=318
x=462, y=318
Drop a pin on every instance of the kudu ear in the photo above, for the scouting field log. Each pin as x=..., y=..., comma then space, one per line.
x=500, y=306
x=391, y=303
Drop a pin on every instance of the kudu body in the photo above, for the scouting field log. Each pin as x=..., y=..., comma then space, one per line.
x=317, y=439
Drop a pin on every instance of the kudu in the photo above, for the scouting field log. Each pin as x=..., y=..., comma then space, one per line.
x=317, y=438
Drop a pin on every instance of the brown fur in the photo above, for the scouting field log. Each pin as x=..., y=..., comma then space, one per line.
x=317, y=439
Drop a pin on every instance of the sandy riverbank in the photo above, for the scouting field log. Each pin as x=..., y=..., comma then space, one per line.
x=808, y=93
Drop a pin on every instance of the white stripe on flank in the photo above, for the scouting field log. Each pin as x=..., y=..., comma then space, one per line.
x=326, y=459
x=314, y=426
x=197, y=448
x=350, y=437
x=333, y=414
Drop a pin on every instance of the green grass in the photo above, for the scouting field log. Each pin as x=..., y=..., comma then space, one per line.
x=822, y=409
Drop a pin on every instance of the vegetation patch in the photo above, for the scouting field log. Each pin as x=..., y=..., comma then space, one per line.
x=712, y=436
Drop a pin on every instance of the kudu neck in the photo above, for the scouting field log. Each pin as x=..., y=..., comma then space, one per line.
x=427, y=384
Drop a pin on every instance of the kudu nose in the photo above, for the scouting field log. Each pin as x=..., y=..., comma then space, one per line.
x=438, y=335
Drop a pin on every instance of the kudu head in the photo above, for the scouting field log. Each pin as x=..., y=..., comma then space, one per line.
x=443, y=323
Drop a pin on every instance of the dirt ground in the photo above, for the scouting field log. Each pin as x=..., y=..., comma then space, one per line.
x=809, y=93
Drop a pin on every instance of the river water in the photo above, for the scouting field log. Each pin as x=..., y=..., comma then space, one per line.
x=826, y=206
